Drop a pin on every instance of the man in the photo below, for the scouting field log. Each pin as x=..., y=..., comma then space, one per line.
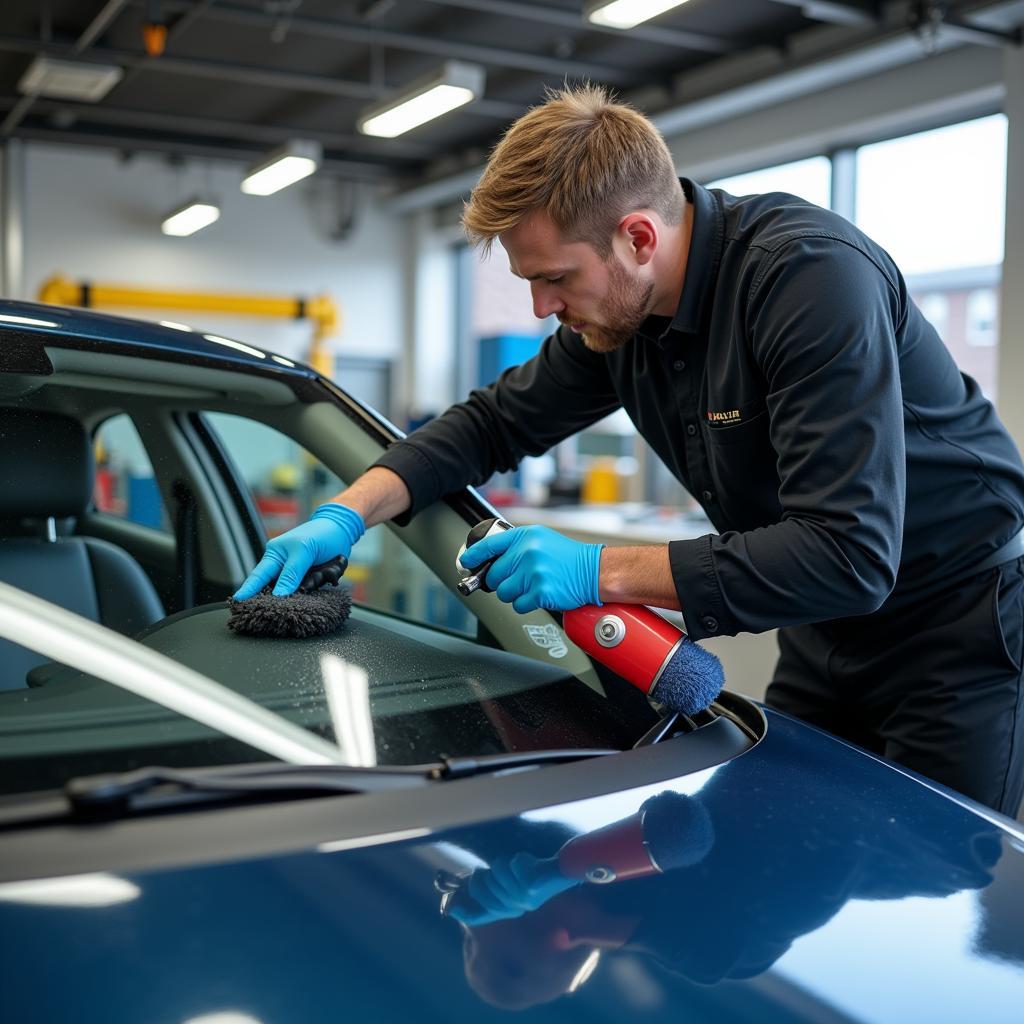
x=868, y=500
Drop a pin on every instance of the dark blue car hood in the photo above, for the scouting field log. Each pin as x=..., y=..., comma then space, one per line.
x=827, y=887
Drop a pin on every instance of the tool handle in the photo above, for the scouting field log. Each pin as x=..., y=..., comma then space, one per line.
x=476, y=579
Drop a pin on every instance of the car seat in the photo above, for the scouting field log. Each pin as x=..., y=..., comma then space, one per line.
x=46, y=474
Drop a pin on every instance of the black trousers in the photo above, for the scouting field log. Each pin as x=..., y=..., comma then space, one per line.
x=935, y=687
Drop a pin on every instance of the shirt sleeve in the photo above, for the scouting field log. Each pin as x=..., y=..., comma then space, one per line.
x=822, y=322
x=526, y=411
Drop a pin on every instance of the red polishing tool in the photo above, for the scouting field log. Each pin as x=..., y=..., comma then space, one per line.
x=649, y=652
x=630, y=639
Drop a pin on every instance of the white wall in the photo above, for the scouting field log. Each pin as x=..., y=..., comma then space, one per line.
x=89, y=215
x=429, y=372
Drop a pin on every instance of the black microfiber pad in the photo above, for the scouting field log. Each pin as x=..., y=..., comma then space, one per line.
x=296, y=615
x=691, y=680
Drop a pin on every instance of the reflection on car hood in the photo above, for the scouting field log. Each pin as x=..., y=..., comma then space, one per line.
x=825, y=887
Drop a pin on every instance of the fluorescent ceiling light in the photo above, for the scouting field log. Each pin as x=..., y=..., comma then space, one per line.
x=347, y=688
x=454, y=85
x=28, y=320
x=224, y=1017
x=358, y=842
x=627, y=13
x=95, y=890
x=69, y=80
x=231, y=343
x=188, y=219
x=283, y=167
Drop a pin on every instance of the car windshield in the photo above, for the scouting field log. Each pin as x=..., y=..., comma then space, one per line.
x=183, y=469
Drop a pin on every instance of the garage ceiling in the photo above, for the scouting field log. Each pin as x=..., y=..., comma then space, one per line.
x=237, y=78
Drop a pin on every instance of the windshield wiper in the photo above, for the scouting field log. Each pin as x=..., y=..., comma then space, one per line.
x=154, y=789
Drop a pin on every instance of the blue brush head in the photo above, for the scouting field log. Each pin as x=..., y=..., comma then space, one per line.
x=677, y=830
x=691, y=680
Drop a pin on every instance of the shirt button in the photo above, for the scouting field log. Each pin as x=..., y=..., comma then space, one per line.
x=691, y=429
x=710, y=623
x=679, y=364
x=706, y=497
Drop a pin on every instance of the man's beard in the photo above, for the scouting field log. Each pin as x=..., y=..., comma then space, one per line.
x=625, y=309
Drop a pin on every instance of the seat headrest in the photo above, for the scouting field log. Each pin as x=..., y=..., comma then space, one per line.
x=46, y=466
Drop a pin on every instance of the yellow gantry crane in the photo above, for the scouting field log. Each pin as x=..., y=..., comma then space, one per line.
x=321, y=310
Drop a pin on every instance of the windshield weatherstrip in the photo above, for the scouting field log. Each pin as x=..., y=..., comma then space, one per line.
x=462, y=767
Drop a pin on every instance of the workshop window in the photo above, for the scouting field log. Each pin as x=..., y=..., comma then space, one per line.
x=935, y=307
x=809, y=179
x=935, y=201
x=982, y=318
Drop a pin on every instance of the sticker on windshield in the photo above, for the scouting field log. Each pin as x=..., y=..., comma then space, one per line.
x=549, y=638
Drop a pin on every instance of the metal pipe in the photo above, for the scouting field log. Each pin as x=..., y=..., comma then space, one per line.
x=99, y=24
x=676, y=38
x=832, y=12
x=422, y=43
x=321, y=310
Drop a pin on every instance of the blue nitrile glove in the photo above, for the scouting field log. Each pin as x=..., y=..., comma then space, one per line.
x=509, y=888
x=332, y=530
x=539, y=568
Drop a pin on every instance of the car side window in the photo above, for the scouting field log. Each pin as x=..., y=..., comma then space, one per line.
x=126, y=485
x=287, y=484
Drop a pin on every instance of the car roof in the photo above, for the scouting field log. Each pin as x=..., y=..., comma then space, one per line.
x=140, y=337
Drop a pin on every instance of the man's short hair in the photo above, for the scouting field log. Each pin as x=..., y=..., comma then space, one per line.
x=584, y=160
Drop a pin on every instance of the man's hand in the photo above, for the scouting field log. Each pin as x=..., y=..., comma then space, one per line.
x=332, y=530
x=510, y=887
x=539, y=568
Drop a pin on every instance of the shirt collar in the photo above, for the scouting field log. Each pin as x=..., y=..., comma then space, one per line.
x=703, y=259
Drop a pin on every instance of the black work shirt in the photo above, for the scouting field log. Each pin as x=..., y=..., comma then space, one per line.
x=799, y=395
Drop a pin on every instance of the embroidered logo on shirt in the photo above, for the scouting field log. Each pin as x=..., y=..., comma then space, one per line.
x=730, y=416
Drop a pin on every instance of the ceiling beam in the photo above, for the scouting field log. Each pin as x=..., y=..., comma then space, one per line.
x=246, y=74
x=662, y=36
x=64, y=115
x=833, y=12
x=979, y=35
x=414, y=43
x=350, y=170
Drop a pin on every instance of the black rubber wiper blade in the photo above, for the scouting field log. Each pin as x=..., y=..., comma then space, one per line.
x=154, y=789
x=157, y=788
